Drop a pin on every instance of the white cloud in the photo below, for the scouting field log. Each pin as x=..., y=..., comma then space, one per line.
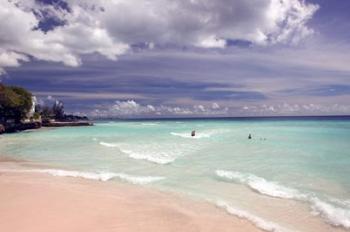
x=127, y=107
x=291, y=109
x=151, y=108
x=10, y=59
x=203, y=23
x=199, y=108
x=131, y=108
x=212, y=42
x=215, y=106
x=20, y=39
x=109, y=27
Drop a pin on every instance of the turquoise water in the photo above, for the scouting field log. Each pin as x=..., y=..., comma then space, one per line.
x=299, y=169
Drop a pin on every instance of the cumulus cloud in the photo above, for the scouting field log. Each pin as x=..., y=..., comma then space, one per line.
x=131, y=108
x=206, y=23
x=295, y=109
x=21, y=38
x=110, y=27
x=128, y=107
x=10, y=59
x=215, y=106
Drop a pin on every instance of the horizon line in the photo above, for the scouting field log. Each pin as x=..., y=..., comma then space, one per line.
x=221, y=118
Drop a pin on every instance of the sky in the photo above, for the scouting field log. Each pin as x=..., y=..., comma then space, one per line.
x=184, y=58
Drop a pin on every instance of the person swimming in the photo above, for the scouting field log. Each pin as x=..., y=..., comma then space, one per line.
x=249, y=136
x=193, y=133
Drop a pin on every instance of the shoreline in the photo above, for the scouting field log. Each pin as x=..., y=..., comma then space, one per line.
x=202, y=171
x=40, y=202
x=36, y=125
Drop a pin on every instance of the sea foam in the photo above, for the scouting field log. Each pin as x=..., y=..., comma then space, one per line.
x=261, y=185
x=108, y=144
x=257, y=221
x=336, y=216
x=158, y=159
x=99, y=176
x=199, y=134
x=189, y=136
x=149, y=124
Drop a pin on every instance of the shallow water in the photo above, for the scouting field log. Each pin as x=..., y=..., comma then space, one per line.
x=292, y=175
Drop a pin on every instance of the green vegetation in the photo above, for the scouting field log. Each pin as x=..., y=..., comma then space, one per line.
x=15, y=103
x=36, y=116
x=47, y=113
x=58, y=110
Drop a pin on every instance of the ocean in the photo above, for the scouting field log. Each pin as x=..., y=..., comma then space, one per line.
x=293, y=175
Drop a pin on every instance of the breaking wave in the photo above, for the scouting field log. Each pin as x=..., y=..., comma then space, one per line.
x=257, y=221
x=261, y=185
x=99, y=176
x=149, y=124
x=159, y=159
x=111, y=123
x=108, y=144
x=189, y=136
x=334, y=215
x=199, y=134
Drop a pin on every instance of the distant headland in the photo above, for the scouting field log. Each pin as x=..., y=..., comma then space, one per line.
x=19, y=111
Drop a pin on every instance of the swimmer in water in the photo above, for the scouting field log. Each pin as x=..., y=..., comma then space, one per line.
x=249, y=136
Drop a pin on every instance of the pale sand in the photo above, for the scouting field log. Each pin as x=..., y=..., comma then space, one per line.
x=43, y=203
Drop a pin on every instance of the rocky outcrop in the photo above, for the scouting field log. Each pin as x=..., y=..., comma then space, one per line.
x=10, y=128
x=62, y=124
x=16, y=127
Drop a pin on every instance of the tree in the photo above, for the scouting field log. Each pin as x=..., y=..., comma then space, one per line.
x=38, y=108
x=15, y=103
x=46, y=112
x=58, y=110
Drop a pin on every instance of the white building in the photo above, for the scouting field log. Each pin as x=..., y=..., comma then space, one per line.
x=31, y=112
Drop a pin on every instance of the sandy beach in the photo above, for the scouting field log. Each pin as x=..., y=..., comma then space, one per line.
x=34, y=202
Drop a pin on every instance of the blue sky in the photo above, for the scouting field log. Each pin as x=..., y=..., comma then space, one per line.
x=182, y=59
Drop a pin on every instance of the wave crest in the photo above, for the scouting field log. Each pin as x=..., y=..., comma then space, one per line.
x=257, y=221
x=261, y=185
x=99, y=176
x=108, y=144
x=154, y=157
x=149, y=124
x=336, y=216
x=159, y=159
x=189, y=136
